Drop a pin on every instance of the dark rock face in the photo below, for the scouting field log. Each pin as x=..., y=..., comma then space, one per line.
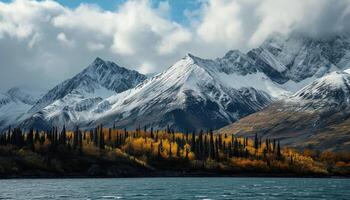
x=237, y=62
x=264, y=67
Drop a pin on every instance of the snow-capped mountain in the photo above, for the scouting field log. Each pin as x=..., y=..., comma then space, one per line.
x=296, y=60
x=100, y=79
x=13, y=104
x=317, y=116
x=65, y=103
x=18, y=94
x=330, y=92
x=193, y=93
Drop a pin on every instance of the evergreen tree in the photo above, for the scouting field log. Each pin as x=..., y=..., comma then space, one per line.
x=30, y=139
x=63, y=136
x=279, y=154
x=217, y=157
x=229, y=150
x=200, y=146
x=110, y=135
x=235, y=148
x=102, y=139
x=256, y=142
x=152, y=136
x=211, y=145
x=187, y=152
x=170, y=152
x=95, y=137
x=75, y=138
x=193, y=143
x=160, y=147
x=178, y=151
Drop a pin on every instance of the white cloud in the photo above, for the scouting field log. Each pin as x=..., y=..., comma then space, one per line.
x=61, y=37
x=221, y=22
x=314, y=17
x=138, y=26
x=47, y=40
x=22, y=18
x=95, y=46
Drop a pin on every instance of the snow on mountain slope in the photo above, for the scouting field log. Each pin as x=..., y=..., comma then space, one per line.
x=347, y=71
x=22, y=96
x=101, y=78
x=298, y=59
x=316, y=117
x=13, y=105
x=237, y=70
x=190, y=94
x=194, y=92
x=68, y=102
x=330, y=91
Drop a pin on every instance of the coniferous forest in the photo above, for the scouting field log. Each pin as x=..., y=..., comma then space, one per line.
x=110, y=152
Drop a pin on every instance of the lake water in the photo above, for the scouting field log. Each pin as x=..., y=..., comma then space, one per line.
x=176, y=188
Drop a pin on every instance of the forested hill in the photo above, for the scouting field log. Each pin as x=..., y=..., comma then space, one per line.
x=109, y=152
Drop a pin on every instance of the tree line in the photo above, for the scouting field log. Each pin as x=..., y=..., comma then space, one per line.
x=201, y=145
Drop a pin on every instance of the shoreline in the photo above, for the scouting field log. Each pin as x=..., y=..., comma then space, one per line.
x=243, y=175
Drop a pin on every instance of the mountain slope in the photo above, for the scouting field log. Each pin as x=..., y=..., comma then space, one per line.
x=295, y=60
x=101, y=78
x=193, y=93
x=13, y=105
x=318, y=116
x=66, y=102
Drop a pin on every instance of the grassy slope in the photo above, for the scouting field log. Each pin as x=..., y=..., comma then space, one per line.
x=297, y=129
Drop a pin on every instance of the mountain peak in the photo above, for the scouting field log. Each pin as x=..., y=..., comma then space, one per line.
x=100, y=79
x=98, y=60
x=190, y=56
x=331, y=89
x=233, y=53
x=18, y=94
x=13, y=90
x=336, y=79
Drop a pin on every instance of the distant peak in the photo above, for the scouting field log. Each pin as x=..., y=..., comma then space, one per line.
x=233, y=53
x=99, y=64
x=326, y=87
x=335, y=77
x=13, y=90
x=189, y=55
x=192, y=57
x=19, y=94
x=98, y=60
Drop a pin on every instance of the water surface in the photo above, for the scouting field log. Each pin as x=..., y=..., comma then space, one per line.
x=176, y=188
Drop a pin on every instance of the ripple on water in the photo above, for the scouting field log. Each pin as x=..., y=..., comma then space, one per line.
x=175, y=188
x=112, y=197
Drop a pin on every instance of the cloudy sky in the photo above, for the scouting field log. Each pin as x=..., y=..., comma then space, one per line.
x=45, y=42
